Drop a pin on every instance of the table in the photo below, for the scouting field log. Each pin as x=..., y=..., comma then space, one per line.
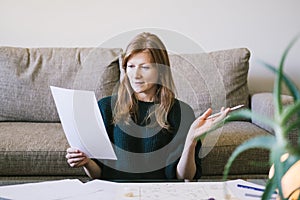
x=98, y=189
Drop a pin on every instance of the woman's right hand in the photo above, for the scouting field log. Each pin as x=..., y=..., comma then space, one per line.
x=76, y=158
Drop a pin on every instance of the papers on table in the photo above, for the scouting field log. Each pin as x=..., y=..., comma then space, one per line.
x=44, y=190
x=98, y=189
x=69, y=189
x=246, y=190
x=82, y=122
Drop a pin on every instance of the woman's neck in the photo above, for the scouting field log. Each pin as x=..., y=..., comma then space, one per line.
x=145, y=98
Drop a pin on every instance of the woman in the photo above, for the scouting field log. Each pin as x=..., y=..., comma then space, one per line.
x=154, y=134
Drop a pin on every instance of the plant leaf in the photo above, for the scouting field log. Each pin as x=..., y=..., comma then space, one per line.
x=237, y=115
x=293, y=125
x=248, y=114
x=269, y=190
x=276, y=153
x=289, y=112
x=289, y=83
x=287, y=115
x=277, y=85
x=266, y=142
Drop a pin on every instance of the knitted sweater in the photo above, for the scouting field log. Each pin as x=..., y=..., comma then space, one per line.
x=144, y=149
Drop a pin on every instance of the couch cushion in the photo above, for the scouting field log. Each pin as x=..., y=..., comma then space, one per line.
x=30, y=149
x=219, y=145
x=21, y=155
x=212, y=79
x=27, y=73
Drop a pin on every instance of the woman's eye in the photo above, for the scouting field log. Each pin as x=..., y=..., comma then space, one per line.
x=130, y=66
x=148, y=66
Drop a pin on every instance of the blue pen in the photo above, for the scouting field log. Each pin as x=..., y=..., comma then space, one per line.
x=252, y=188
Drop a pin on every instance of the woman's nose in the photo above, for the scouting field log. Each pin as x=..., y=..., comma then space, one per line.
x=137, y=73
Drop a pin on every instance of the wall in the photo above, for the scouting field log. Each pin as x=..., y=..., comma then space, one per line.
x=263, y=26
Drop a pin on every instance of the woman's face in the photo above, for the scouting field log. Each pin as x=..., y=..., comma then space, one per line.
x=142, y=75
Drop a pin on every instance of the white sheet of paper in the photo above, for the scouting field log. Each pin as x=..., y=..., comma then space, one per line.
x=100, y=189
x=82, y=122
x=44, y=190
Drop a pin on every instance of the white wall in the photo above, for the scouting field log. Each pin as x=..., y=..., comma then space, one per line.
x=263, y=26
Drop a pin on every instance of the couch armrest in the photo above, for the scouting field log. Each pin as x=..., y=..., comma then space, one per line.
x=263, y=104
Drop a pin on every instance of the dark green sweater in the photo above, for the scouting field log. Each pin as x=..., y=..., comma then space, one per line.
x=145, y=150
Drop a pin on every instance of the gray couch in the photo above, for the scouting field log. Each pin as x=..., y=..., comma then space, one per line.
x=33, y=143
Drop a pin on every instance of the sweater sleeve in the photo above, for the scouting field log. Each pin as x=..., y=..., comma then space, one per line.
x=182, y=116
x=198, y=161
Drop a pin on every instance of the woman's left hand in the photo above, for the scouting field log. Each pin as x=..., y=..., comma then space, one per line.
x=203, y=123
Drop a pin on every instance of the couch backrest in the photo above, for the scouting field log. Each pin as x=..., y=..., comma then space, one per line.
x=212, y=80
x=27, y=73
x=202, y=80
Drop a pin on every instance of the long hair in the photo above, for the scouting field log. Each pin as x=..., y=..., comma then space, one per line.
x=126, y=106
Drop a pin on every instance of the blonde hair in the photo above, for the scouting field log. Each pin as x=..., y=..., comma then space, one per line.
x=126, y=104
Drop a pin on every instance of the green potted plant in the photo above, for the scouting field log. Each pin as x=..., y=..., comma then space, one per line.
x=284, y=177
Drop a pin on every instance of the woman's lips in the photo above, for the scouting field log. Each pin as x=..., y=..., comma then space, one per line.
x=138, y=83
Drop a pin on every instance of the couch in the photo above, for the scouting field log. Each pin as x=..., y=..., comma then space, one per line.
x=33, y=144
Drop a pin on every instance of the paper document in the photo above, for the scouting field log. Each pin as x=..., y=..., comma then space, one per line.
x=100, y=189
x=44, y=190
x=82, y=122
x=246, y=190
